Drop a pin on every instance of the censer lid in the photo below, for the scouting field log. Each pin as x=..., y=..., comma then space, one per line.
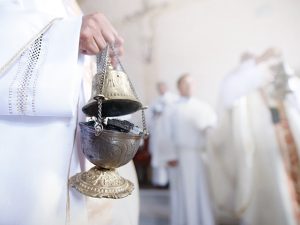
x=117, y=92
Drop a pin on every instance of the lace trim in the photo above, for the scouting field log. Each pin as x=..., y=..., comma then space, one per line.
x=22, y=90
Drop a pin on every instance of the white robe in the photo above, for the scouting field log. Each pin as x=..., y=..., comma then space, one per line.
x=157, y=131
x=247, y=173
x=38, y=119
x=188, y=119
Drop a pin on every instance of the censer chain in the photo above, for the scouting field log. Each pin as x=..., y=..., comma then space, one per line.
x=132, y=88
x=101, y=59
x=98, y=124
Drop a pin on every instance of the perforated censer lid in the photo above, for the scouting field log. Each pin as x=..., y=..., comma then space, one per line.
x=118, y=93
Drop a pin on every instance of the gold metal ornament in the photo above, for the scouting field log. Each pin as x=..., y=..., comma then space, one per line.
x=101, y=183
x=108, y=149
x=119, y=98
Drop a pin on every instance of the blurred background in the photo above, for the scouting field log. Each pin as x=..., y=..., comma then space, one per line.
x=205, y=38
x=164, y=38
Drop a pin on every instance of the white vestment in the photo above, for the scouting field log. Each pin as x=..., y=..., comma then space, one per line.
x=247, y=173
x=187, y=120
x=157, y=135
x=39, y=101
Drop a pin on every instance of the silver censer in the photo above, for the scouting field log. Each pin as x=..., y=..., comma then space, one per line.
x=112, y=95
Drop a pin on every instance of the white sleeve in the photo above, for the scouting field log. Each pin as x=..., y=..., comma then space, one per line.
x=45, y=80
x=60, y=78
x=241, y=82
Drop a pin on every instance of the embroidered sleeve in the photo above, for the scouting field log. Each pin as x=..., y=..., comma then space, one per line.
x=45, y=79
x=22, y=89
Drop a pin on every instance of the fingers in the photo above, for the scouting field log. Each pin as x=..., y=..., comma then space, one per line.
x=114, y=61
x=118, y=50
x=119, y=45
x=100, y=42
x=96, y=32
x=86, y=43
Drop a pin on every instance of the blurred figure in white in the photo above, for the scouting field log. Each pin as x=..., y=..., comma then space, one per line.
x=256, y=171
x=188, y=121
x=157, y=130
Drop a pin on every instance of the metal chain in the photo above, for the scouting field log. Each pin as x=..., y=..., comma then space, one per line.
x=144, y=123
x=98, y=124
x=132, y=88
x=101, y=61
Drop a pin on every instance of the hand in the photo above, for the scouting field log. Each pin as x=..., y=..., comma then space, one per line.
x=96, y=32
x=173, y=163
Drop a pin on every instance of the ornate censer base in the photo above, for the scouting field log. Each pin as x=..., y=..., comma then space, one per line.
x=102, y=183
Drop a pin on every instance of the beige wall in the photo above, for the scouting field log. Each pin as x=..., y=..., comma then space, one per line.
x=167, y=37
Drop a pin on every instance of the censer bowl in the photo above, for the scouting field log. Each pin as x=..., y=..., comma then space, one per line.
x=111, y=149
x=108, y=151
